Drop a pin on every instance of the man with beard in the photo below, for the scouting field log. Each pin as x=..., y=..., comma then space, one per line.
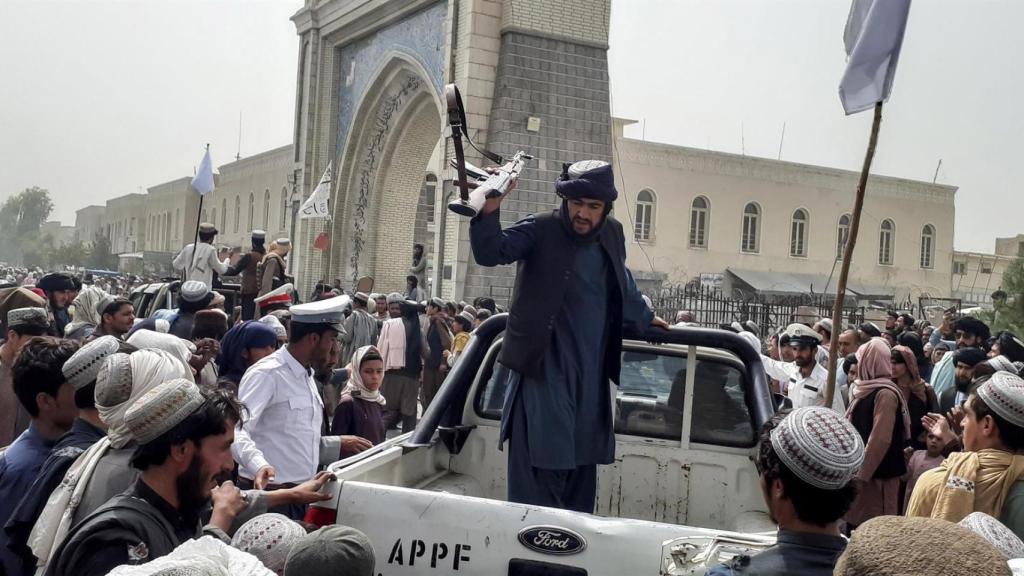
x=401, y=346
x=964, y=360
x=807, y=463
x=360, y=328
x=381, y=312
x=58, y=289
x=184, y=450
x=804, y=378
x=246, y=266
x=970, y=333
x=848, y=344
x=573, y=300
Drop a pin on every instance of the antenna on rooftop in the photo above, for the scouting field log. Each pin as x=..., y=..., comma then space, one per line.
x=238, y=153
x=937, y=166
x=781, y=139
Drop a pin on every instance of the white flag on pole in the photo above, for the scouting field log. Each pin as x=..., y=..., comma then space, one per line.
x=873, y=37
x=203, y=180
x=316, y=205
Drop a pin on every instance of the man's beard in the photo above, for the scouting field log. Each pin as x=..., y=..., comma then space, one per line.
x=193, y=493
x=961, y=385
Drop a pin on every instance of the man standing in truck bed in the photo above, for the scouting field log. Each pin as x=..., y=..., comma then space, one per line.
x=573, y=298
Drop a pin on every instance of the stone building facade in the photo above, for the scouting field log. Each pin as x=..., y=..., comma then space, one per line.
x=89, y=223
x=369, y=101
x=758, y=225
x=975, y=276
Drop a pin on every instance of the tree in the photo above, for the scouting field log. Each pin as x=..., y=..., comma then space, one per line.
x=21, y=217
x=100, y=256
x=73, y=253
x=1008, y=302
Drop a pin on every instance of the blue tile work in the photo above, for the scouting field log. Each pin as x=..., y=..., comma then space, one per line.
x=419, y=36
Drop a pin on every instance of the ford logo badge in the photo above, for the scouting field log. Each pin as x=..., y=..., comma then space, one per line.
x=552, y=540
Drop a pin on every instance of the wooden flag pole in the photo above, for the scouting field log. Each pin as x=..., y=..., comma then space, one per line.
x=858, y=205
x=195, y=242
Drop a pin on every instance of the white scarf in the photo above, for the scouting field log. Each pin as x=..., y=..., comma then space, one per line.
x=85, y=309
x=355, y=386
x=149, y=368
x=180, y=349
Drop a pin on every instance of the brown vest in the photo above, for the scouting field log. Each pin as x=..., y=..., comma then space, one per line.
x=250, y=281
x=261, y=269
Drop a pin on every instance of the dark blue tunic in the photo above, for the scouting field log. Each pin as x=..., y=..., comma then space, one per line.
x=18, y=469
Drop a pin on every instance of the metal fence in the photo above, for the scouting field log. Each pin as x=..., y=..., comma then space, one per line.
x=711, y=308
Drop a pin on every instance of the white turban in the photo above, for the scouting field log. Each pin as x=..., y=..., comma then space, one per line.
x=149, y=367
x=180, y=349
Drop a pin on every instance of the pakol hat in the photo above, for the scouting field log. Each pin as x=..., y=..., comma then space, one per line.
x=330, y=311
x=898, y=545
x=361, y=297
x=280, y=295
x=820, y=446
x=55, y=282
x=1004, y=394
x=162, y=408
x=395, y=298
x=33, y=316
x=207, y=228
x=801, y=335
x=260, y=235
x=283, y=242
x=84, y=365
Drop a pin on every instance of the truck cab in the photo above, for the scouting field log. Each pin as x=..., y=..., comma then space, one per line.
x=681, y=495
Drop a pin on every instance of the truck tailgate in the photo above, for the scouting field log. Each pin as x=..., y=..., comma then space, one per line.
x=425, y=532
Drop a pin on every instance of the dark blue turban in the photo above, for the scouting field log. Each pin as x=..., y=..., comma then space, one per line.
x=597, y=183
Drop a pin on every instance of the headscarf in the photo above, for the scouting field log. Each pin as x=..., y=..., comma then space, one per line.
x=356, y=388
x=85, y=309
x=178, y=348
x=917, y=386
x=149, y=367
x=874, y=370
x=967, y=482
x=248, y=334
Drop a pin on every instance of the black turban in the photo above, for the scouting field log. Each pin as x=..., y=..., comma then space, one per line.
x=55, y=282
x=970, y=356
x=1011, y=347
x=970, y=325
x=597, y=183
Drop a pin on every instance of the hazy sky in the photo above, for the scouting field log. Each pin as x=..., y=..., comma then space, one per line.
x=100, y=98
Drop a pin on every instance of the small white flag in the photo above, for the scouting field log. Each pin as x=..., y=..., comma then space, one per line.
x=873, y=37
x=203, y=180
x=316, y=205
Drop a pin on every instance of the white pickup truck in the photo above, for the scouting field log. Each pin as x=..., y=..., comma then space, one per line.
x=682, y=494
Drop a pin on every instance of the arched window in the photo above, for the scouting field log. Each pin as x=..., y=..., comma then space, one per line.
x=885, y=236
x=699, y=223
x=224, y=215
x=252, y=211
x=266, y=209
x=643, y=228
x=798, y=234
x=177, y=221
x=928, y=246
x=238, y=212
x=213, y=217
x=284, y=208
x=202, y=217
x=842, y=235
x=750, y=239
x=429, y=196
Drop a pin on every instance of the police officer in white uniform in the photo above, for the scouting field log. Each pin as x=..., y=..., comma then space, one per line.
x=200, y=264
x=806, y=377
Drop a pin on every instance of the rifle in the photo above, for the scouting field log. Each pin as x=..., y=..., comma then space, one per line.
x=488, y=185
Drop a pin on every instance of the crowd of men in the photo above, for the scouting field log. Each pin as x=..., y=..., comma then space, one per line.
x=925, y=430
x=198, y=435
x=150, y=440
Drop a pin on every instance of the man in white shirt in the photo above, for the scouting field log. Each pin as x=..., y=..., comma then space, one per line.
x=201, y=263
x=282, y=442
x=805, y=376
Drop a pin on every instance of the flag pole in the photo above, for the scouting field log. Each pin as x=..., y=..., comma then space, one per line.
x=858, y=205
x=199, y=215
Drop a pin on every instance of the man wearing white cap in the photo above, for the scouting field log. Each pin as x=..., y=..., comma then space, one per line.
x=360, y=327
x=283, y=441
x=805, y=376
x=807, y=463
x=184, y=440
x=989, y=475
x=246, y=266
x=271, y=271
x=192, y=297
x=199, y=261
